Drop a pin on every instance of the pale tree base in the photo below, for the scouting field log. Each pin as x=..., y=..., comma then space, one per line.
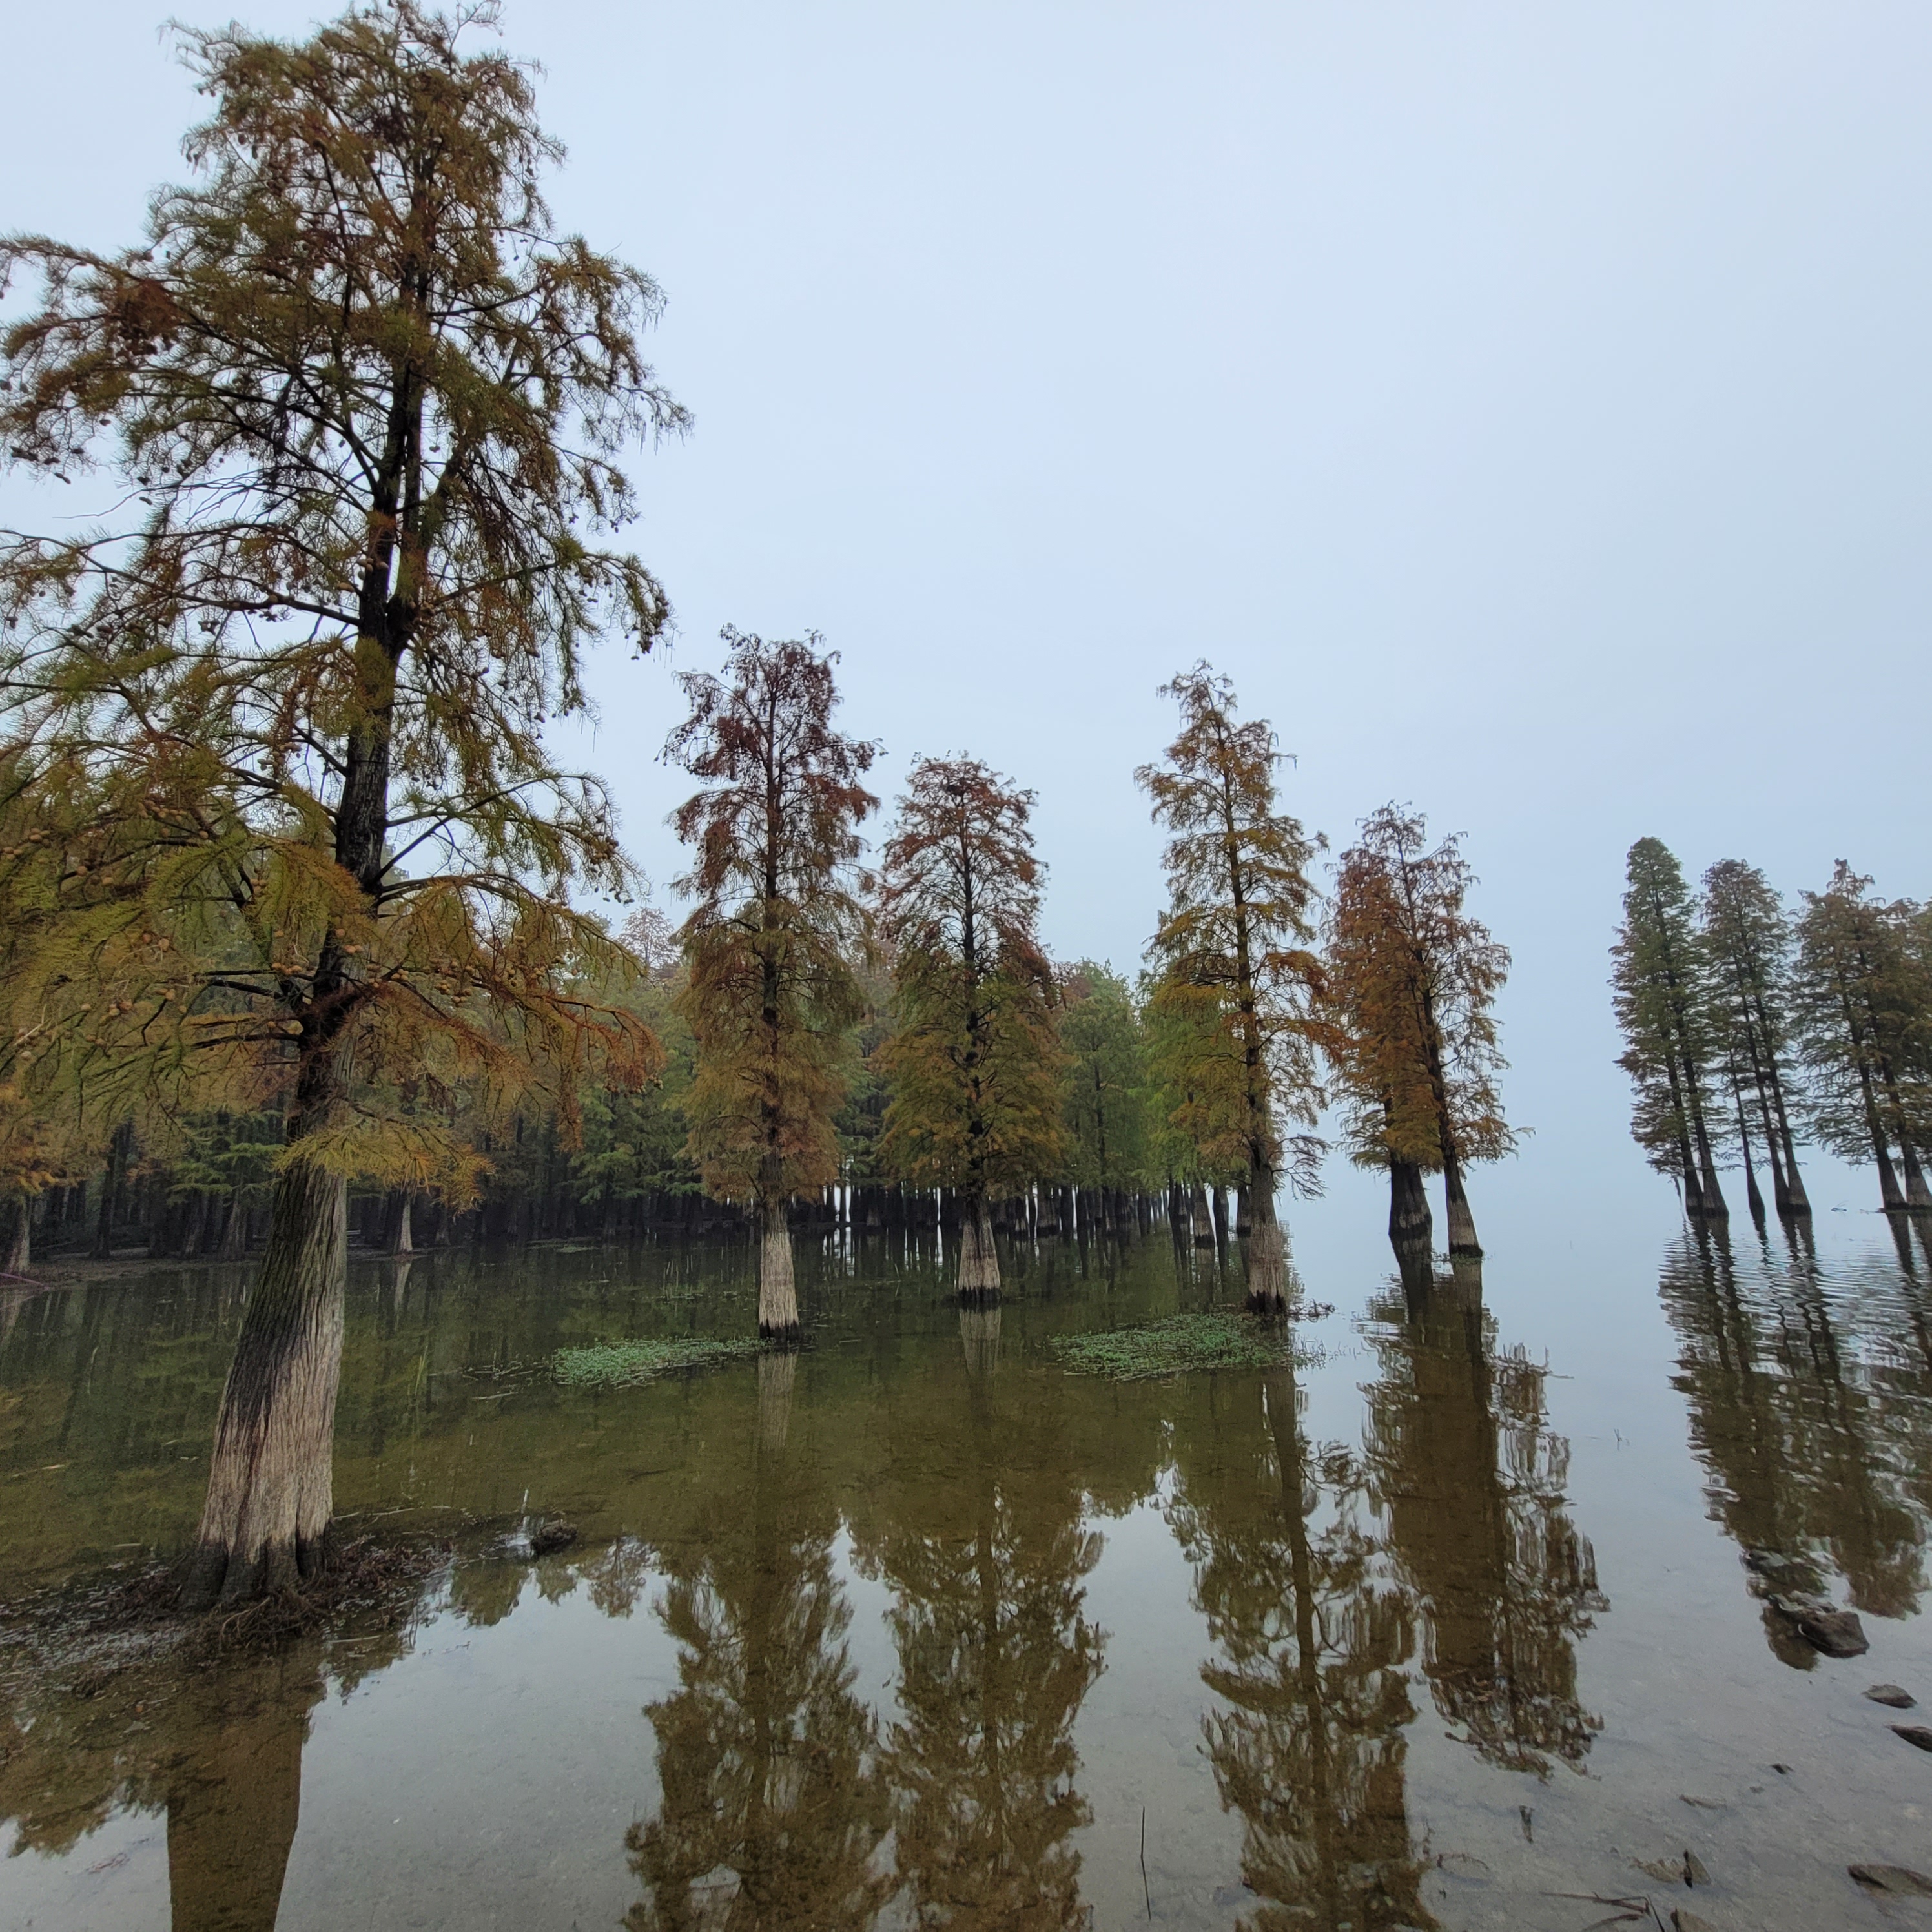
x=979, y=1259
x=778, y=1287
x=1462, y=1231
x=266, y=1525
x=1267, y=1268
x=403, y=1242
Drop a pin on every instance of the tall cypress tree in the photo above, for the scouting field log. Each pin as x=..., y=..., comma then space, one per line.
x=1663, y=1003
x=973, y=1070
x=1748, y=940
x=1865, y=1019
x=1233, y=948
x=1411, y=981
x=771, y=1000
x=364, y=408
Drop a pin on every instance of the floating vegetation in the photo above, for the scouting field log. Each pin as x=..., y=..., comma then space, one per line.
x=1178, y=1344
x=624, y=1364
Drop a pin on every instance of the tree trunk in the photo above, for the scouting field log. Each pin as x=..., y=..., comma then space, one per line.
x=1794, y=1181
x=402, y=1238
x=778, y=1288
x=1918, y=1199
x=16, y=1234
x=1753, y=1200
x=119, y=1145
x=1218, y=1199
x=234, y=1229
x=1244, y=1225
x=1714, y=1207
x=1268, y=1248
x=271, y=1484
x=979, y=1259
x=1461, y=1223
x=1410, y=1224
x=1203, y=1217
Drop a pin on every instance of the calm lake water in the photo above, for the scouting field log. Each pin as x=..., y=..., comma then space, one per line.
x=919, y=1628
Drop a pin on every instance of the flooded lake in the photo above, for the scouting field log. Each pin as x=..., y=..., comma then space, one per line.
x=1450, y=1624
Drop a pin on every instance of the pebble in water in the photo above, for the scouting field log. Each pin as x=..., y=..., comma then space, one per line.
x=1896, y=1695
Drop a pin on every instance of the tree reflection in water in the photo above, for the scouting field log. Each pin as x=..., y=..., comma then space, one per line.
x=1811, y=1419
x=995, y=1658
x=1472, y=1480
x=773, y=1809
x=217, y=1748
x=1313, y=1636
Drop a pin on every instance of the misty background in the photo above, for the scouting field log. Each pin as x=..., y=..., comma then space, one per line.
x=1527, y=406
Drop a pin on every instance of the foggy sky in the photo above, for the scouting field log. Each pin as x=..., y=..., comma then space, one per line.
x=1526, y=405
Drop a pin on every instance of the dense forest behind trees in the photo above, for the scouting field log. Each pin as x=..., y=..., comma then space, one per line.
x=1751, y=1029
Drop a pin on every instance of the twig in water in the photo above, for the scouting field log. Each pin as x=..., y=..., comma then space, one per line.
x=1146, y=1891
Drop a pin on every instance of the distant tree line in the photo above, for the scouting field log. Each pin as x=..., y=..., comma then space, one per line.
x=1752, y=1028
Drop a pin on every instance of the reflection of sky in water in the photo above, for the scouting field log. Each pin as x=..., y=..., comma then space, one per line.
x=942, y=1622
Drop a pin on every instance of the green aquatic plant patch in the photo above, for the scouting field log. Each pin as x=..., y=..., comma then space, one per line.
x=1213, y=1340
x=623, y=1364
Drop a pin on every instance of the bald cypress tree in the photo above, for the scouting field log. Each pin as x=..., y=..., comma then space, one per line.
x=1412, y=979
x=974, y=1069
x=772, y=1000
x=1865, y=1017
x=1233, y=951
x=1663, y=1001
x=363, y=408
x=1747, y=941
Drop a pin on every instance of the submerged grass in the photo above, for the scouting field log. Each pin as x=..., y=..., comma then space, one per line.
x=1209, y=1340
x=623, y=1364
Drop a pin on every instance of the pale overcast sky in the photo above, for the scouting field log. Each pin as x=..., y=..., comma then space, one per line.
x=1527, y=404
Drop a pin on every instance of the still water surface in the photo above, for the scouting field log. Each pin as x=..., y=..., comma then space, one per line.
x=916, y=1628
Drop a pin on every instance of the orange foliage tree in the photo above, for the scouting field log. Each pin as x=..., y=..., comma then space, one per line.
x=772, y=999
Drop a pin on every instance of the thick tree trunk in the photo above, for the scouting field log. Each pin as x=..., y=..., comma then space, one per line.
x=1794, y=1182
x=1918, y=1199
x=778, y=1287
x=1268, y=1249
x=17, y=1234
x=270, y=1492
x=1219, y=1200
x=979, y=1259
x=1461, y=1223
x=1203, y=1217
x=1244, y=1224
x=1410, y=1224
x=1715, y=1208
x=402, y=1233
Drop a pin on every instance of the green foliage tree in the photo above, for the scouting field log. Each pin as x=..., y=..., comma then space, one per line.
x=1748, y=940
x=365, y=407
x=1664, y=1006
x=1232, y=949
x=973, y=1070
x=1104, y=1094
x=771, y=1000
x=1410, y=980
x=1865, y=1004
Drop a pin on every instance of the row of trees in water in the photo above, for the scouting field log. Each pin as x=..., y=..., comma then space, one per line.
x=1751, y=1030
x=282, y=833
